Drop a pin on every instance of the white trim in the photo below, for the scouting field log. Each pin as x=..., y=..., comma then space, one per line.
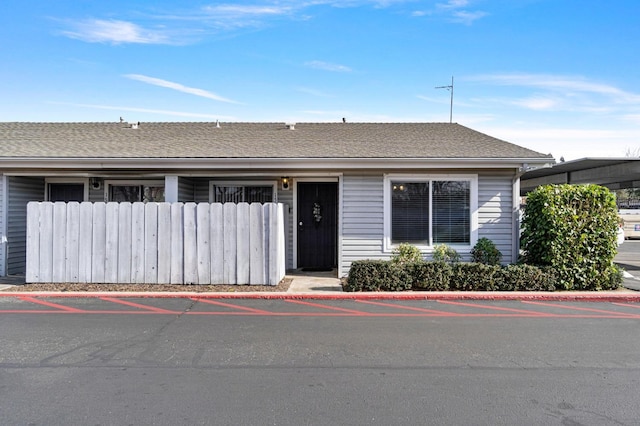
x=190, y=164
x=83, y=181
x=332, y=178
x=388, y=246
x=129, y=182
x=243, y=183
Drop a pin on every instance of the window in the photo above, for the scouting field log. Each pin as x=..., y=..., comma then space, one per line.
x=426, y=211
x=250, y=192
x=66, y=189
x=135, y=192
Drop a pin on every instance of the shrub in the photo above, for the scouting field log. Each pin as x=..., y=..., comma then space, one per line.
x=572, y=229
x=527, y=278
x=406, y=253
x=485, y=251
x=431, y=276
x=475, y=277
x=377, y=275
x=444, y=253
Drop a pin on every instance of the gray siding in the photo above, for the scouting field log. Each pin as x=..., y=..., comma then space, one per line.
x=495, y=212
x=3, y=229
x=362, y=220
x=21, y=190
x=363, y=216
x=286, y=198
x=186, y=190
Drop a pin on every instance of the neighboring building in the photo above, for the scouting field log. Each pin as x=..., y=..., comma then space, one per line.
x=351, y=190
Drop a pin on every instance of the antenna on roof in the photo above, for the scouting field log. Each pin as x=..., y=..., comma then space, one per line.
x=450, y=89
x=121, y=119
x=344, y=120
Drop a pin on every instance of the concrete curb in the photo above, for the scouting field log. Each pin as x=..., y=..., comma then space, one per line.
x=604, y=296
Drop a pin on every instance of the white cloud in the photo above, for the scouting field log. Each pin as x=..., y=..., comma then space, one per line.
x=327, y=66
x=115, y=32
x=313, y=92
x=179, y=87
x=467, y=18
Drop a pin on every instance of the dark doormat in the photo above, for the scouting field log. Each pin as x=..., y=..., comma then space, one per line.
x=318, y=269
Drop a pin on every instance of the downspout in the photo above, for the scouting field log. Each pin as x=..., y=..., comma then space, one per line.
x=515, y=212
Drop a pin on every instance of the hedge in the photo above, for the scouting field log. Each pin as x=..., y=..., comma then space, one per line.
x=572, y=229
x=379, y=275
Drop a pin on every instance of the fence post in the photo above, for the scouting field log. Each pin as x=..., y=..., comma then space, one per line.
x=190, y=245
x=177, y=243
x=111, y=249
x=125, y=244
x=217, y=243
x=203, y=235
x=230, y=243
x=85, y=242
x=72, y=231
x=32, y=274
x=164, y=243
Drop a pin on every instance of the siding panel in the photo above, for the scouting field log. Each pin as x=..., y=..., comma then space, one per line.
x=495, y=219
x=21, y=190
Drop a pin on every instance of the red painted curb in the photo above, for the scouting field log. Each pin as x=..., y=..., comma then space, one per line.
x=549, y=296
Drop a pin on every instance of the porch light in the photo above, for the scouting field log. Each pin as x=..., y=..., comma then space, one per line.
x=285, y=183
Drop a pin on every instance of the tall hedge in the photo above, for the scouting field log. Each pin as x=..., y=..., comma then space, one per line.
x=572, y=229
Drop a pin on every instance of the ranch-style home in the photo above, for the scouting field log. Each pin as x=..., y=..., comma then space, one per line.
x=349, y=190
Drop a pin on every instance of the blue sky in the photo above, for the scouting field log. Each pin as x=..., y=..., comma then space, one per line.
x=556, y=76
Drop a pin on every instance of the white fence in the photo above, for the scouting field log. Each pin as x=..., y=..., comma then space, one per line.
x=164, y=243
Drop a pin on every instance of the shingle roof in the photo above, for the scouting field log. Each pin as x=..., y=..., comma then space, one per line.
x=253, y=140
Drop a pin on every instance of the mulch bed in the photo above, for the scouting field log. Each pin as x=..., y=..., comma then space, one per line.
x=282, y=286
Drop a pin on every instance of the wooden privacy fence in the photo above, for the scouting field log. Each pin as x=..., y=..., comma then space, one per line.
x=164, y=243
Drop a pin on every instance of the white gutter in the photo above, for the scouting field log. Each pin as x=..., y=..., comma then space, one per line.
x=262, y=163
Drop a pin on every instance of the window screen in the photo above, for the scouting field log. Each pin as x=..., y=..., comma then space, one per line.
x=243, y=194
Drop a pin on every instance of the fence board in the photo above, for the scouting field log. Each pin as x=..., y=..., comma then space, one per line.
x=32, y=274
x=203, y=236
x=137, y=243
x=217, y=243
x=124, y=243
x=164, y=243
x=190, y=245
x=111, y=242
x=151, y=243
x=72, y=230
x=230, y=243
x=256, y=242
x=85, y=242
x=59, y=241
x=98, y=247
x=177, y=244
x=243, y=253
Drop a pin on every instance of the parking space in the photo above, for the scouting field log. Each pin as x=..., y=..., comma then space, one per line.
x=317, y=308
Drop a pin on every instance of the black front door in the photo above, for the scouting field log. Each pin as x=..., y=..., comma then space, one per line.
x=317, y=225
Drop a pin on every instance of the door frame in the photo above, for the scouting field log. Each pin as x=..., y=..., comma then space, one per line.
x=294, y=223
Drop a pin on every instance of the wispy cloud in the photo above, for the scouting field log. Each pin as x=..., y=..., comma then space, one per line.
x=114, y=32
x=327, y=66
x=313, y=92
x=185, y=26
x=179, y=87
x=148, y=111
x=561, y=93
x=455, y=11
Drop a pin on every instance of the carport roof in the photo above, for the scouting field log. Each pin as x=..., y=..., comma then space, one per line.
x=614, y=172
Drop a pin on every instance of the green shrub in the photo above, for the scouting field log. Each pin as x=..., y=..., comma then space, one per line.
x=444, y=253
x=377, y=275
x=485, y=251
x=475, y=277
x=431, y=276
x=572, y=229
x=406, y=253
x=527, y=278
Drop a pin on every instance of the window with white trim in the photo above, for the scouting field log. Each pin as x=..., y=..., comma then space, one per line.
x=131, y=191
x=246, y=192
x=430, y=210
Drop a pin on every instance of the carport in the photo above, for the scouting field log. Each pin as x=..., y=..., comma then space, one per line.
x=614, y=173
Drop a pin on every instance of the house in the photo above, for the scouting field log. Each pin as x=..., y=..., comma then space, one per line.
x=350, y=190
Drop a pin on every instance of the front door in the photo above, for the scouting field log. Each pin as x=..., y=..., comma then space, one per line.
x=317, y=225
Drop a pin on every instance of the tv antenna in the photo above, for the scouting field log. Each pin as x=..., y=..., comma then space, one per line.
x=450, y=89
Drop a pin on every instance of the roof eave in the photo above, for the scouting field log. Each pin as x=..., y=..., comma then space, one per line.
x=265, y=163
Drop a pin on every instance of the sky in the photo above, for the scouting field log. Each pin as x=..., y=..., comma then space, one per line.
x=556, y=76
